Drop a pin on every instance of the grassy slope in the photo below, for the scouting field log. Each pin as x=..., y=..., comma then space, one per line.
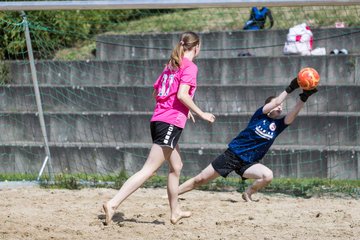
x=222, y=19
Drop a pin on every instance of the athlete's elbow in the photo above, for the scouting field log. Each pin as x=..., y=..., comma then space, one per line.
x=289, y=121
x=181, y=96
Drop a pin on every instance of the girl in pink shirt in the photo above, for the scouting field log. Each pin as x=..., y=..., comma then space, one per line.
x=168, y=107
x=174, y=91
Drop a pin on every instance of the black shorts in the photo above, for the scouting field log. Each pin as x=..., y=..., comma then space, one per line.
x=228, y=162
x=165, y=134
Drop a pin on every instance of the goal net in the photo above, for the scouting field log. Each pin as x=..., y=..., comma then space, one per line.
x=95, y=70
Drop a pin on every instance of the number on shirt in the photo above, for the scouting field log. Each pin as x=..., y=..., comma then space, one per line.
x=165, y=91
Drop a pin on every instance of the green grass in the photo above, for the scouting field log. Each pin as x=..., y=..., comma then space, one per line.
x=81, y=52
x=298, y=187
x=230, y=19
x=17, y=177
x=221, y=19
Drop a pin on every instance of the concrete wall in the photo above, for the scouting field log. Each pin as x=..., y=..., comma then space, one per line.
x=333, y=163
x=220, y=44
x=218, y=98
x=334, y=70
x=333, y=130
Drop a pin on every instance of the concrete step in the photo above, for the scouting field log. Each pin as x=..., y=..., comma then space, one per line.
x=133, y=127
x=285, y=161
x=334, y=70
x=217, y=98
x=219, y=44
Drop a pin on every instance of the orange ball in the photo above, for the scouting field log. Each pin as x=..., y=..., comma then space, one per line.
x=308, y=78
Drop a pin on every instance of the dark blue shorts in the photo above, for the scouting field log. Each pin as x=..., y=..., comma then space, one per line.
x=228, y=162
x=165, y=134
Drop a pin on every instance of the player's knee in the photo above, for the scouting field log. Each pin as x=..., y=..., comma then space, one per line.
x=177, y=168
x=268, y=176
x=200, y=179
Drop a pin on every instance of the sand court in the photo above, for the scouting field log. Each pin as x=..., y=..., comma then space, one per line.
x=37, y=213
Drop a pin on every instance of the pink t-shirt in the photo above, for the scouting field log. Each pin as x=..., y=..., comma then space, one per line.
x=168, y=107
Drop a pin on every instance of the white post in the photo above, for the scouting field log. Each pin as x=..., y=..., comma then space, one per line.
x=42, y=168
x=38, y=98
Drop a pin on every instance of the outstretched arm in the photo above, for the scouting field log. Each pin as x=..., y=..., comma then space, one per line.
x=279, y=99
x=275, y=102
x=290, y=117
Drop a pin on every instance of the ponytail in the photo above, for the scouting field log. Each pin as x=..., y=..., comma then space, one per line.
x=187, y=42
x=176, y=56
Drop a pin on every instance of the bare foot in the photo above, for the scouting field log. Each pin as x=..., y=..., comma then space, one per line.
x=248, y=198
x=174, y=219
x=109, y=212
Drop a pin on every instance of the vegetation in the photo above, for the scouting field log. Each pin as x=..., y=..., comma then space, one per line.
x=17, y=177
x=4, y=73
x=69, y=35
x=298, y=187
x=55, y=30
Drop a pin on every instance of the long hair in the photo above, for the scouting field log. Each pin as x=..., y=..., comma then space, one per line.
x=187, y=42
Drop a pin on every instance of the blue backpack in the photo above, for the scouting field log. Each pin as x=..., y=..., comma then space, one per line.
x=258, y=18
